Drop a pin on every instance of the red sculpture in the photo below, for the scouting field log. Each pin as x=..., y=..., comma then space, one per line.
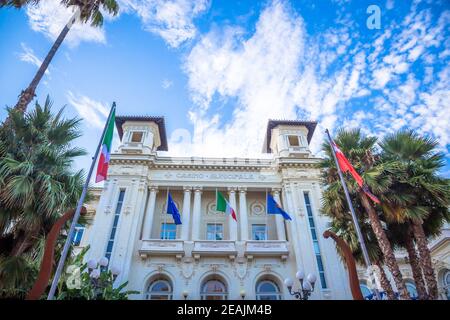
x=47, y=261
x=351, y=265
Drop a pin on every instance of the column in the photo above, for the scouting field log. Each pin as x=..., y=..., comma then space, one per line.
x=279, y=220
x=243, y=215
x=185, y=216
x=102, y=218
x=294, y=239
x=232, y=225
x=197, y=213
x=304, y=232
x=148, y=221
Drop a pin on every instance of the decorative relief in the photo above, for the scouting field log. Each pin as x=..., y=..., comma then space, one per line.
x=241, y=270
x=162, y=207
x=108, y=209
x=187, y=268
x=199, y=245
x=128, y=210
x=211, y=210
x=257, y=209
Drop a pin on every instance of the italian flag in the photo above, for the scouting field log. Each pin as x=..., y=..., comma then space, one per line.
x=103, y=162
x=222, y=205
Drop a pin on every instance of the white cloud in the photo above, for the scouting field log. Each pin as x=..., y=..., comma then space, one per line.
x=50, y=16
x=271, y=74
x=166, y=84
x=28, y=56
x=282, y=72
x=172, y=20
x=93, y=112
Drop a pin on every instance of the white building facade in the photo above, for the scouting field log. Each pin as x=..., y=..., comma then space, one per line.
x=209, y=255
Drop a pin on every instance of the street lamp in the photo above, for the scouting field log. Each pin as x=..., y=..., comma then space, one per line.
x=95, y=269
x=306, y=285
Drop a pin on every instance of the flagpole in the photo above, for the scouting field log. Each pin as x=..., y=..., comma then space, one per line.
x=267, y=219
x=355, y=220
x=165, y=215
x=76, y=216
x=215, y=221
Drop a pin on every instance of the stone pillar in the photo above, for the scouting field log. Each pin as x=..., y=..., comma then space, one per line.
x=197, y=213
x=102, y=218
x=243, y=215
x=279, y=220
x=294, y=239
x=232, y=225
x=132, y=230
x=185, y=216
x=304, y=233
x=148, y=221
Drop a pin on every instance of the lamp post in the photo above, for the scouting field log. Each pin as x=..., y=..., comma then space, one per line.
x=95, y=268
x=306, y=285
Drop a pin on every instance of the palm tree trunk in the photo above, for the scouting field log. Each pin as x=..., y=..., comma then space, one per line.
x=28, y=94
x=21, y=245
x=425, y=259
x=385, y=247
x=415, y=267
x=385, y=284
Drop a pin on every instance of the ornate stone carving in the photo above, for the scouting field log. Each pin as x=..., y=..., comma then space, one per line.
x=257, y=209
x=187, y=269
x=211, y=210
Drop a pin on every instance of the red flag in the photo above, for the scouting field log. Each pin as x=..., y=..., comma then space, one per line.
x=346, y=166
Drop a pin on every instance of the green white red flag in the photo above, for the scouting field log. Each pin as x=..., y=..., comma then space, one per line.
x=223, y=205
x=103, y=162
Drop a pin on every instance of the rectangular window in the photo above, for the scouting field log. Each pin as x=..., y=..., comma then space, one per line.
x=168, y=231
x=78, y=235
x=312, y=227
x=259, y=232
x=214, y=231
x=112, y=235
x=293, y=141
x=137, y=136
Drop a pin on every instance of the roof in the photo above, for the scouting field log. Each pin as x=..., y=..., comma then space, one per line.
x=310, y=125
x=120, y=120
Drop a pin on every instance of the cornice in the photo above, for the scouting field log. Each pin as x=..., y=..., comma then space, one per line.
x=153, y=165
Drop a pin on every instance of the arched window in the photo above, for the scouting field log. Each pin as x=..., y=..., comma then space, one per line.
x=411, y=287
x=159, y=290
x=214, y=290
x=267, y=290
x=365, y=290
x=446, y=282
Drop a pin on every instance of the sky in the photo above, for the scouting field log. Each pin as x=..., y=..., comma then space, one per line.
x=217, y=70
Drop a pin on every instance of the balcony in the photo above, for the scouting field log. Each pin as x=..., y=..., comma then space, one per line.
x=214, y=248
x=161, y=247
x=267, y=248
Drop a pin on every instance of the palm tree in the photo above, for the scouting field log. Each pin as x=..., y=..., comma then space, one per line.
x=401, y=236
x=343, y=226
x=37, y=184
x=421, y=197
x=86, y=10
x=360, y=151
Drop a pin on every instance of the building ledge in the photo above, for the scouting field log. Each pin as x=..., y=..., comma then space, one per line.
x=161, y=247
x=214, y=248
x=267, y=248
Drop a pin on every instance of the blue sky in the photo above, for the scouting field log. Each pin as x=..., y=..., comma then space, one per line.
x=218, y=70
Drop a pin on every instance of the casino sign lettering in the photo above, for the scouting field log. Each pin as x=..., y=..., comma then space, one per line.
x=216, y=176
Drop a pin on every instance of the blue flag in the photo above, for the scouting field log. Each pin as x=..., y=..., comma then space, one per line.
x=172, y=209
x=274, y=208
